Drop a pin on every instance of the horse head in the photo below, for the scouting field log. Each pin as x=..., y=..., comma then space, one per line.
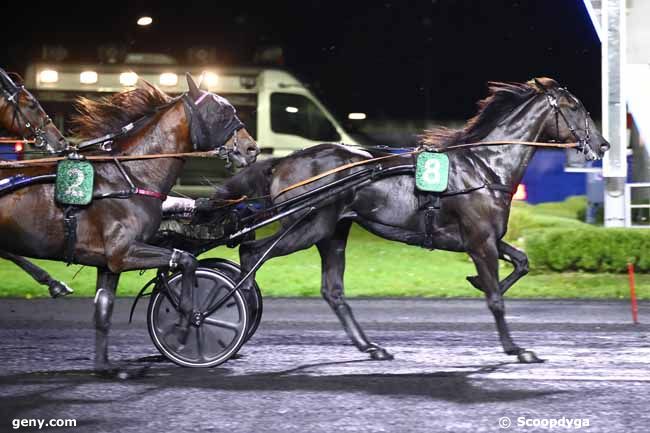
x=569, y=120
x=27, y=118
x=214, y=125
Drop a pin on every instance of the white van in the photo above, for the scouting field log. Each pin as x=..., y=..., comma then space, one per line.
x=278, y=110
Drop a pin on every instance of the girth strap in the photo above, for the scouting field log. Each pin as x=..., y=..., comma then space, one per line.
x=430, y=216
x=70, y=233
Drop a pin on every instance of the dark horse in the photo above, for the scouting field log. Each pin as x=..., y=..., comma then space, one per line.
x=473, y=213
x=21, y=115
x=112, y=233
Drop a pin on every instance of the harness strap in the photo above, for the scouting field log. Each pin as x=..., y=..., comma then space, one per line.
x=70, y=233
x=147, y=193
x=421, y=149
x=338, y=169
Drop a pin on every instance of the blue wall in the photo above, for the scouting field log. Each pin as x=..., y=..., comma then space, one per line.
x=546, y=180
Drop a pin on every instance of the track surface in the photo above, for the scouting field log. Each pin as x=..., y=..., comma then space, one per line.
x=299, y=374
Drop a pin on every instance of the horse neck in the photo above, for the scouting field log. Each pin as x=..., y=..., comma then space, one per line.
x=168, y=132
x=509, y=162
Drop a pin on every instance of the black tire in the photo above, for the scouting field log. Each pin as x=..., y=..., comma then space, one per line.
x=253, y=296
x=219, y=336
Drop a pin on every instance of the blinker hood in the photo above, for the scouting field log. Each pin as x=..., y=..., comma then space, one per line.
x=213, y=132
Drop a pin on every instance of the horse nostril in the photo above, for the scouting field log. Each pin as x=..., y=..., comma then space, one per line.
x=252, y=150
x=605, y=147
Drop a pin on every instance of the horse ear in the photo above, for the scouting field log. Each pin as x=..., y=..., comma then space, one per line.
x=194, y=90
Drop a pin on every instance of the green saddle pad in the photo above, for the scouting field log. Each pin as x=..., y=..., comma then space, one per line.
x=432, y=171
x=74, y=182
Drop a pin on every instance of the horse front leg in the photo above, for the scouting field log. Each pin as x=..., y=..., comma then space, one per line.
x=513, y=256
x=518, y=259
x=332, y=253
x=56, y=288
x=139, y=255
x=485, y=255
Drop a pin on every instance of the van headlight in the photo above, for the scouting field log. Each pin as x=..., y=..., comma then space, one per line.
x=88, y=77
x=128, y=78
x=48, y=76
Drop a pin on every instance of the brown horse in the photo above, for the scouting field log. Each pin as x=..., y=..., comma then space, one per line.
x=21, y=115
x=111, y=233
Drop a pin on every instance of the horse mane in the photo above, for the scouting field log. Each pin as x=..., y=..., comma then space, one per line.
x=110, y=113
x=502, y=98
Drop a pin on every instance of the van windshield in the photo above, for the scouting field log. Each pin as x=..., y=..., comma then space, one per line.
x=297, y=115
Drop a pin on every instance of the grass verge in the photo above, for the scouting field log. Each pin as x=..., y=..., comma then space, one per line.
x=375, y=267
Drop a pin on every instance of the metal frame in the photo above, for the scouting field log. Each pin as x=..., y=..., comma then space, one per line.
x=629, y=206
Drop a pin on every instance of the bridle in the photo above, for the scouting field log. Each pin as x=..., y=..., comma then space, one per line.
x=37, y=132
x=583, y=143
x=200, y=133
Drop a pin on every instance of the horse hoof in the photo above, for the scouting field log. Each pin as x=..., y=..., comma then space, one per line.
x=529, y=357
x=474, y=281
x=379, y=354
x=59, y=289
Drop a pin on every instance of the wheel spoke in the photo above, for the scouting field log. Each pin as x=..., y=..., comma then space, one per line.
x=199, y=343
x=222, y=324
x=210, y=301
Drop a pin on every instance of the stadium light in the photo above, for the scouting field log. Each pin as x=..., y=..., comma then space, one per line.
x=145, y=21
x=357, y=116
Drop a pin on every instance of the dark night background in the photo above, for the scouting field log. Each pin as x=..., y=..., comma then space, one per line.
x=390, y=59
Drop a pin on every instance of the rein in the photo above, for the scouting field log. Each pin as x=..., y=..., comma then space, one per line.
x=99, y=158
x=424, y=149
x=15, y=140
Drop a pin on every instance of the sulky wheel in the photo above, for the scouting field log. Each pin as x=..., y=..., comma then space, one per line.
x=218, y=336
x=253, y=296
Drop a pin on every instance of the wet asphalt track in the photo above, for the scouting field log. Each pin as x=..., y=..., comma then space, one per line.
x=299, y=374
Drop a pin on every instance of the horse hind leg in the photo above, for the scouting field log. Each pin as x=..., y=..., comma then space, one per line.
x=486, y=257
x=332, y=252
x=56, y=288
x=106, y=287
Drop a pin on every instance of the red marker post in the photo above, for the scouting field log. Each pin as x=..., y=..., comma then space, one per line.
x=635, y=307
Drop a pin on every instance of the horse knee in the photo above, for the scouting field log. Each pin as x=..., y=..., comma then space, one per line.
x=333, y=296
x=103, y=309
x=523, y=265
x=495, y=304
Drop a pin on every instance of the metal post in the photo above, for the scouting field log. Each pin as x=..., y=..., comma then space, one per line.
x=614, y=110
